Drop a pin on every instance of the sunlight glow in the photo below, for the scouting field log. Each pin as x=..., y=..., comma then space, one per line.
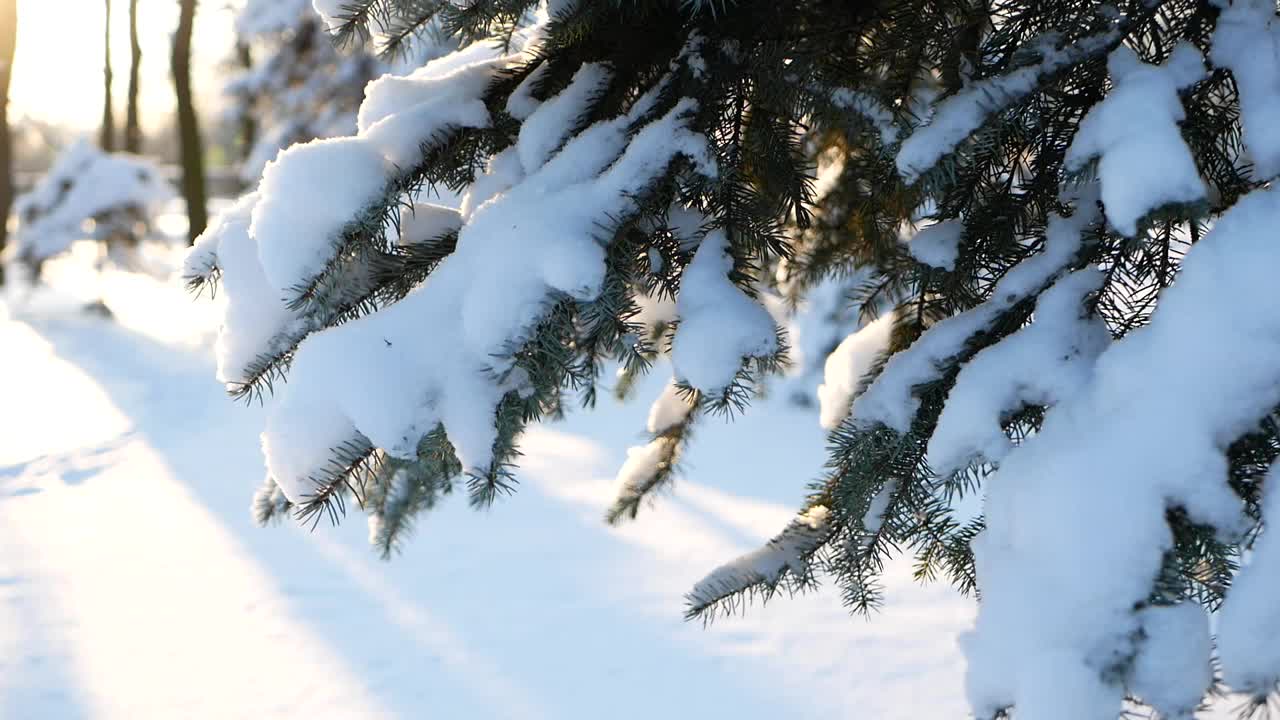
x=58, y=68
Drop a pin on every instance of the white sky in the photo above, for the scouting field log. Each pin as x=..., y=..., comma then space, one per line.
x=58, y=69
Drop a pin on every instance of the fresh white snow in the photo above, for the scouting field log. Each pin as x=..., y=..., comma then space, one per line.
x=1247, y=42
x=332, y=11
x=401, y=115
x=476, y=308
x=426, y=222
x=1249, y=618
x=522, y=103
x=130, y=576
x=767, y=564
x=1172, y=669
x=254, y=321
x=1143, y=162
x=720, y=325
x=938, y=244
x=669, y=410
x=551, y=124
x=1042, y=364
x=955, y=118
x=889, y=399
x=307, y=196
x=871, y=109
x=848, y=365
x=1076, y=528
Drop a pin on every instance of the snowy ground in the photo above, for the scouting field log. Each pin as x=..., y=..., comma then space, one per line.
x=133, y=584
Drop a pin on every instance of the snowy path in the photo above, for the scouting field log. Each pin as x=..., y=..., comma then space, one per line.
x=133, y=585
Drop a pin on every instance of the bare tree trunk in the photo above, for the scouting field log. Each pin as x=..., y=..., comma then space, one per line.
x=248, y=122
x=132, y=128
x=193, y=182
x=8, y=46
x=108, y=139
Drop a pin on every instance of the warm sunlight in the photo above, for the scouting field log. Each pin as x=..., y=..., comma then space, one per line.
x=567, y=359
x=58, y=69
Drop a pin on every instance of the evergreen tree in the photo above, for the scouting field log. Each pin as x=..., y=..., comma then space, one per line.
x=295, y=85
x=1018, y=191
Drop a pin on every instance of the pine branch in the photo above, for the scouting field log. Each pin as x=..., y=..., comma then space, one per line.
x=655, y=466
x=353, y=465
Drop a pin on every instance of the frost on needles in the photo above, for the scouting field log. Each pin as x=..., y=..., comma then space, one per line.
x=1058, y=393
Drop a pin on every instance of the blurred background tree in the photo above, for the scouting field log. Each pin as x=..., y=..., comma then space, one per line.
x=194, y=188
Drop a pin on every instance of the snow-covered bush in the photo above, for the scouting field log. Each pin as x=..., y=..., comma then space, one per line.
x=1057, y=218
x=88, y=194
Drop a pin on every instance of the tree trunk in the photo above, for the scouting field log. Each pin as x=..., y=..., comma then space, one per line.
x=193, y=183
x=8, y=45
x=108, y=139
x=132, y=128
x=248, y=121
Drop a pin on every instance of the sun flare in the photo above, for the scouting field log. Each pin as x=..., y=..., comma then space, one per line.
x=58, y=68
